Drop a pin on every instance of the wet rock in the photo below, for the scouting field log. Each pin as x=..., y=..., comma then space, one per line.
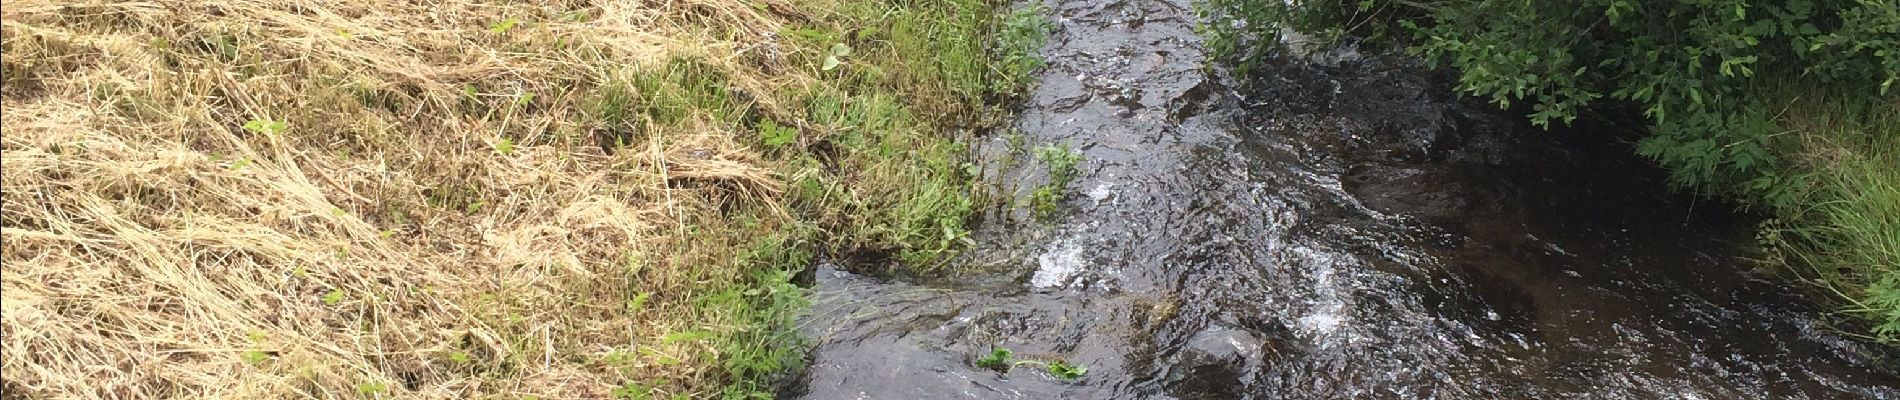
x=1231, y=346
x=1213, y=364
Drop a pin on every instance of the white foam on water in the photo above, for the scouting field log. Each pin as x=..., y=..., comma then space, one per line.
x=1059, y=265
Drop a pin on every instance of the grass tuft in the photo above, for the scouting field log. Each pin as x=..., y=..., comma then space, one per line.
x=1840, y=229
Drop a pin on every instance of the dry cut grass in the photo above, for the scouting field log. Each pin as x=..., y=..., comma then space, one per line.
x=450, y=208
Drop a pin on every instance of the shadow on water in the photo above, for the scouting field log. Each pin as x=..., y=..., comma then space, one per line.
x=1342, y=227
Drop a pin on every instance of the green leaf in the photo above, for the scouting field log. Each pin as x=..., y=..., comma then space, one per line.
x=264, y=126
x=997, y=360
x=505, y=146
x=840, y=50
x=503, y=26
x=335, y=296
x=775, y=136
x=639, y=301
x=1064, y=371
x=371, y=388
x=831, y=62
x=255, y=357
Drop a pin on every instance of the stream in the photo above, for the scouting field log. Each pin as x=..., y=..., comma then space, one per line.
x=1342, y=225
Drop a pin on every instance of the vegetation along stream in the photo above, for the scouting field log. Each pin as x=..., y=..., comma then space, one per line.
x=1339, y=224
x=936, y=199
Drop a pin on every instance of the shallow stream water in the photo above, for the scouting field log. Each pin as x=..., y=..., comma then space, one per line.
x=1341, y=226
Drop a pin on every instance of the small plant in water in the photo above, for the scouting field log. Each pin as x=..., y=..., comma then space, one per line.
x=1064, y=371
x=997, y=360
x=1061, y=162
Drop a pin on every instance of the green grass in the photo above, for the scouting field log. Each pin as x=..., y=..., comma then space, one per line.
x=885, y=170
x=1061, y=162
x=1842, y=230
x=875, y=156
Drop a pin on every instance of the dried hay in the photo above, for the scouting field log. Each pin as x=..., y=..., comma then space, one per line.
x=155, y=248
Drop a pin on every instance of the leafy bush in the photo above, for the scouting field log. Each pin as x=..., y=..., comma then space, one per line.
x=1690, y=65
x=1716, y=77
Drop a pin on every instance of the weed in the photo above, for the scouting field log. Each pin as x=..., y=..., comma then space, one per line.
x=633, y=391
x=255, y=357
x=1065, y=371
x=265, y=127
x=835, y=56
x=502, y=26
x=1018, y=42
x=998, y=360
x=774, y=136
x=372, y=389
x=1061, y=163
x=505, y=146
x=333, y=297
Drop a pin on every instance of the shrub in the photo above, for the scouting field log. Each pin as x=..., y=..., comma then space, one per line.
x=1715, y=77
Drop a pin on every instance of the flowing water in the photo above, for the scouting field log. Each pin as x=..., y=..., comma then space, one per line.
x=1339, y=227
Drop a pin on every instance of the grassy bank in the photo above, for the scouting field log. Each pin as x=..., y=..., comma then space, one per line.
x=1841, y=230
x=573, y=199
x=1785, y=108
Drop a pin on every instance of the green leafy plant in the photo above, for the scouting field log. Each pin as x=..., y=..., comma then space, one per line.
x=998, y=360
x=333, y=297
x=775, y=136
x=633, y=391
x=500, y=27
x=1061, y=163
x=1045, y=201
x=255, y=357
x=505, y=146
x=265, y=127
x=1018, y=43
x=835, y=57
x=1065, y=371
x=373, y=389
